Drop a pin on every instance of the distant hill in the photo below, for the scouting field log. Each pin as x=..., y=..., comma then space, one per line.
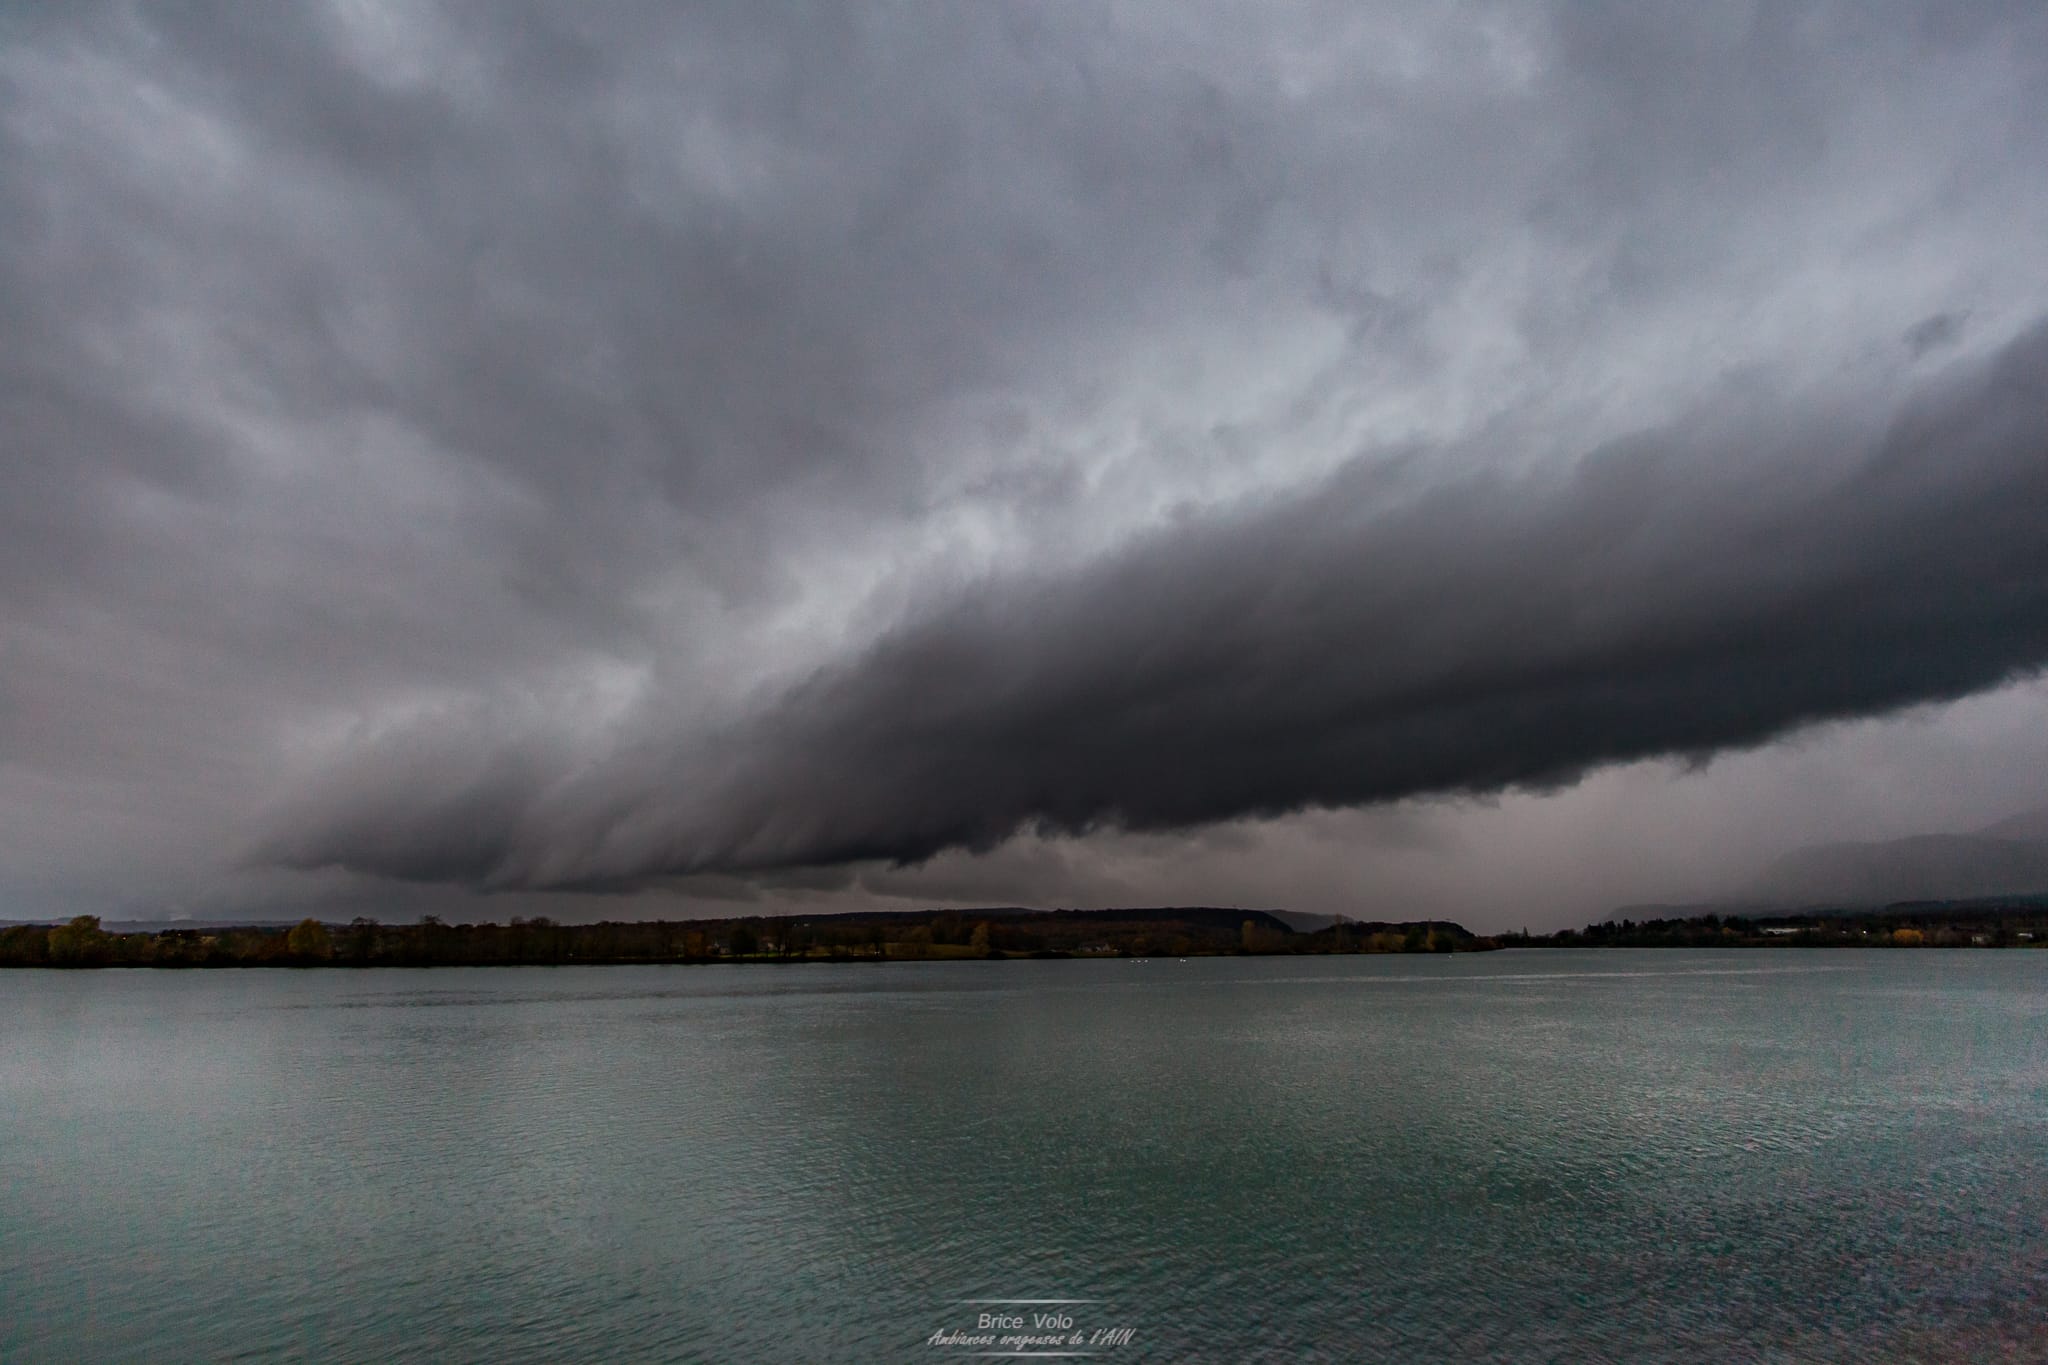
x=152, y=926
x=1227, y=918
x=1651, y=911
x=2029, y=825
x=1920, y=867
x=1304, y=923
x=2006, y=859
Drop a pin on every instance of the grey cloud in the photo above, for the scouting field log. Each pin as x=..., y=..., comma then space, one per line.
x=1934, y=333
x=1706, y=585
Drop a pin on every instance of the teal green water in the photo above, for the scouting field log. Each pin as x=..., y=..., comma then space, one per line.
x=1525, y=1156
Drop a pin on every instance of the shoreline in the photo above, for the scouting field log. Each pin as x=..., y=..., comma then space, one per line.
x=959, y=936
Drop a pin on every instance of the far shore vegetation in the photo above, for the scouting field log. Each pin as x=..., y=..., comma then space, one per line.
x=921, y=936
x=952, y=935
x=2020, y=922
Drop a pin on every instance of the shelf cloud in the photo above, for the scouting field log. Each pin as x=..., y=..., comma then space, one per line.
x=1705, y=585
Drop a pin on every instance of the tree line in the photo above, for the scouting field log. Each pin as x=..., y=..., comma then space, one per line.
x=2018, y=924
x=883, y=937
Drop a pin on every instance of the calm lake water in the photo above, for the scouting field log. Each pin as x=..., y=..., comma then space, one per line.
x=1520, y=1156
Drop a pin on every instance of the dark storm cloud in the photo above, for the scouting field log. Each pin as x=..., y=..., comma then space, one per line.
x=1932, y=334
x=430, y=430
x=1705, y=585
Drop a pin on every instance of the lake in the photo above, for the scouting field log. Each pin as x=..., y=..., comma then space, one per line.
x=1516, y=1156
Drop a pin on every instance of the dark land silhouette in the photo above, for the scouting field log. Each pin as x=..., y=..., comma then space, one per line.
x=912, y=936
x=942, y=935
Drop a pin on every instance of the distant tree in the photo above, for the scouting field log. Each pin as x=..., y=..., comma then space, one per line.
x=25, y=945
x=742, y=941
x=1247, y=937
x=308, y=941
x=978, y=944
x=362, y=938
x=80, y=943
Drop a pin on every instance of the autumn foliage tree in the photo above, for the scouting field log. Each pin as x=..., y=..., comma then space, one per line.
x=80, y=943
x=309, y=941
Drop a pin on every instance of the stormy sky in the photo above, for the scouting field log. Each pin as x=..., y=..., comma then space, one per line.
x=1488, y=461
